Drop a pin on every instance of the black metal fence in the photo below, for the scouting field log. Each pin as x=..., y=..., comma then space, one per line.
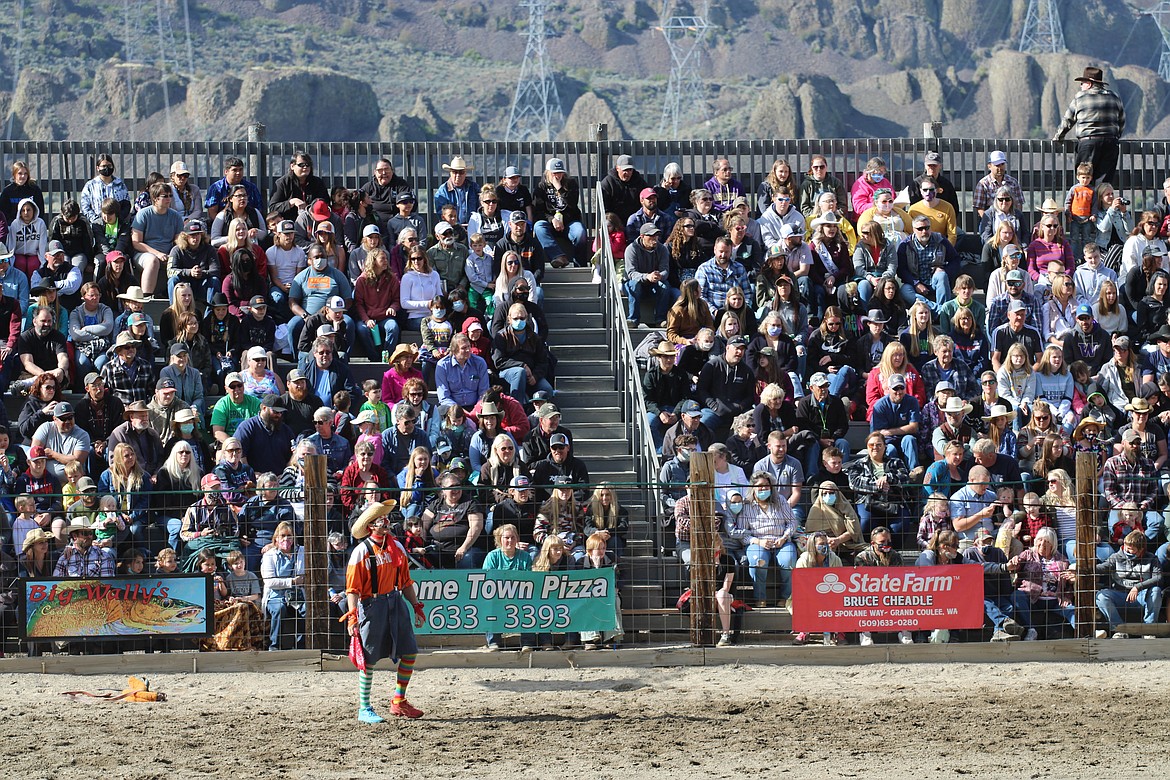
x=1044, y=168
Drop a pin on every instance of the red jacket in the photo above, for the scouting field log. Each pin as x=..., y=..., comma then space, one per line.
x=372, y=299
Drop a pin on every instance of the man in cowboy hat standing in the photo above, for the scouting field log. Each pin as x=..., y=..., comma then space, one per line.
x=458, y=190
x=377, y=589
x=1099, y=117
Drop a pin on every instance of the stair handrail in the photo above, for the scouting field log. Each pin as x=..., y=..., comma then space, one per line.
x=627, y=375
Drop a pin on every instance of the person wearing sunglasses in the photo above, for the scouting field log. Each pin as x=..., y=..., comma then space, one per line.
x=942, y=214
x=295, y=190
x=932, y=169
x=997, y=176
x=923, y=265
x=1004, y=208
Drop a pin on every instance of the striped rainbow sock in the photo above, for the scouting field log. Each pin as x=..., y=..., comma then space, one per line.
x=365, y=683
x=405, y=670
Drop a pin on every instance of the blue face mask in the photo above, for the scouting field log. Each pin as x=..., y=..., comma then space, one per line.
x=822, y=549
x=186, y=427
x=830, y=499
x=764, y=494
x=876, y=177
x=735, y=508
x=439, y=313
x=1129, y=556
x=684, y=456
x=519, y=325
x=459, y=306
x=774, y=330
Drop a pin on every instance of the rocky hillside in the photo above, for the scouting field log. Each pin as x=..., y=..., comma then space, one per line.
x=438, y=69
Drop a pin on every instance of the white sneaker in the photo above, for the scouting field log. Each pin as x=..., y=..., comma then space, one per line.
x=1100, y=633
x=905, y=637
x=1148, y=636
x=1120, y=635
x=940, y=636
x=1030, y=635
x=866, y=639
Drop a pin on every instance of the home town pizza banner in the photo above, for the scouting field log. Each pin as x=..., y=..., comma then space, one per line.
x=895, y=598
x=119, y=607
x=468, y=601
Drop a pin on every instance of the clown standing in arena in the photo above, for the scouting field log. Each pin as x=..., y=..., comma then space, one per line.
x=378, y=587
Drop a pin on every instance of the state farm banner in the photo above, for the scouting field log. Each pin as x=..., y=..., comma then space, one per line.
x=895, y=598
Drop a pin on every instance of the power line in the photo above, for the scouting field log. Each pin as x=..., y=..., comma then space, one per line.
x=1161, y=16
x=1042, y=31
x=686, y=98
x=536, y=113
x=16, y=68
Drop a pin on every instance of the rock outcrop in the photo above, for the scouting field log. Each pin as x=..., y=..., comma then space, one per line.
x=591, y=109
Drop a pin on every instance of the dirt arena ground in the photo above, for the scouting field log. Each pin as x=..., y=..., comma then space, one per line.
x=1033, y=720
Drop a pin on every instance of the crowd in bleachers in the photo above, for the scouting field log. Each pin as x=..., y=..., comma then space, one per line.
x=180, y=443
x=981, y=360
x=983, y=346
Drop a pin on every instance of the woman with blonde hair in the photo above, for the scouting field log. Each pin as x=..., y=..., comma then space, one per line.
x=836, y=518
x=128, y=483
x=292, y=479
x=1014, y=376
x=688, y=315
x=604, y=515
x=237, y=208
x=894, y=361
x=510, y=268
x=418, y=481
x=1030, y=438
x=918, y=335
x=1052, y=381
x=779, y=179
x=420, y=284
x=1108, y=311
x=826, y=203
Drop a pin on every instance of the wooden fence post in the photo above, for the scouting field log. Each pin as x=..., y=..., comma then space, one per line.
x=1086, y=544
x=703, y=610
x=316, y=576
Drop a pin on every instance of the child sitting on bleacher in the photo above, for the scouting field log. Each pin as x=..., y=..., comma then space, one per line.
x=257, y=326
x=478, y=267
x=374, y=403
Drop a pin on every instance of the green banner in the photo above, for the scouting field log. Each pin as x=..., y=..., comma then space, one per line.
x=474, y=601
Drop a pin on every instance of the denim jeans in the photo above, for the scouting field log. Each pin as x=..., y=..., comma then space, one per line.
x=662, y=293
x=365, y=338
x=517, y=381
x=1046, y=615
x=285, y=621
x=760, y=559
x=543, y=230
x=1113, y=604
x=939, y=282
x=210, y=285
x=842, y=383
x=998, y=608
x=908, y=447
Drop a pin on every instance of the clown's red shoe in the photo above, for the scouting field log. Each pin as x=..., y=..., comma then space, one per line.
x=404, y=709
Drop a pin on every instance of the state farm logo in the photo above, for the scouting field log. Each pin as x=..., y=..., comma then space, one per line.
x=831, y=584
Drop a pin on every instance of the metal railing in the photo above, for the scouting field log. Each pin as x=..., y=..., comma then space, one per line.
x=628, y=381
x=1044, y=168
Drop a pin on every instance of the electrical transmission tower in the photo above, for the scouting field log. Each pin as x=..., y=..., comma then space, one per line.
x=536, y=110
x=1161, y=16
x=139, y=17
x=1042, y=31
x=686, y=100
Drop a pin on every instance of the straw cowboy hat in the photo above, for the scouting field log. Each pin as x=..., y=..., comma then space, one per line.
x=997, y=412
x=956, y=405
x=134, y=293
x=361, y=526
x=828, y=218
x=1079, y=431
x=402, y=350
x=1138, y=405
x=664, y=349
x=458, y=164
x=34, y=536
